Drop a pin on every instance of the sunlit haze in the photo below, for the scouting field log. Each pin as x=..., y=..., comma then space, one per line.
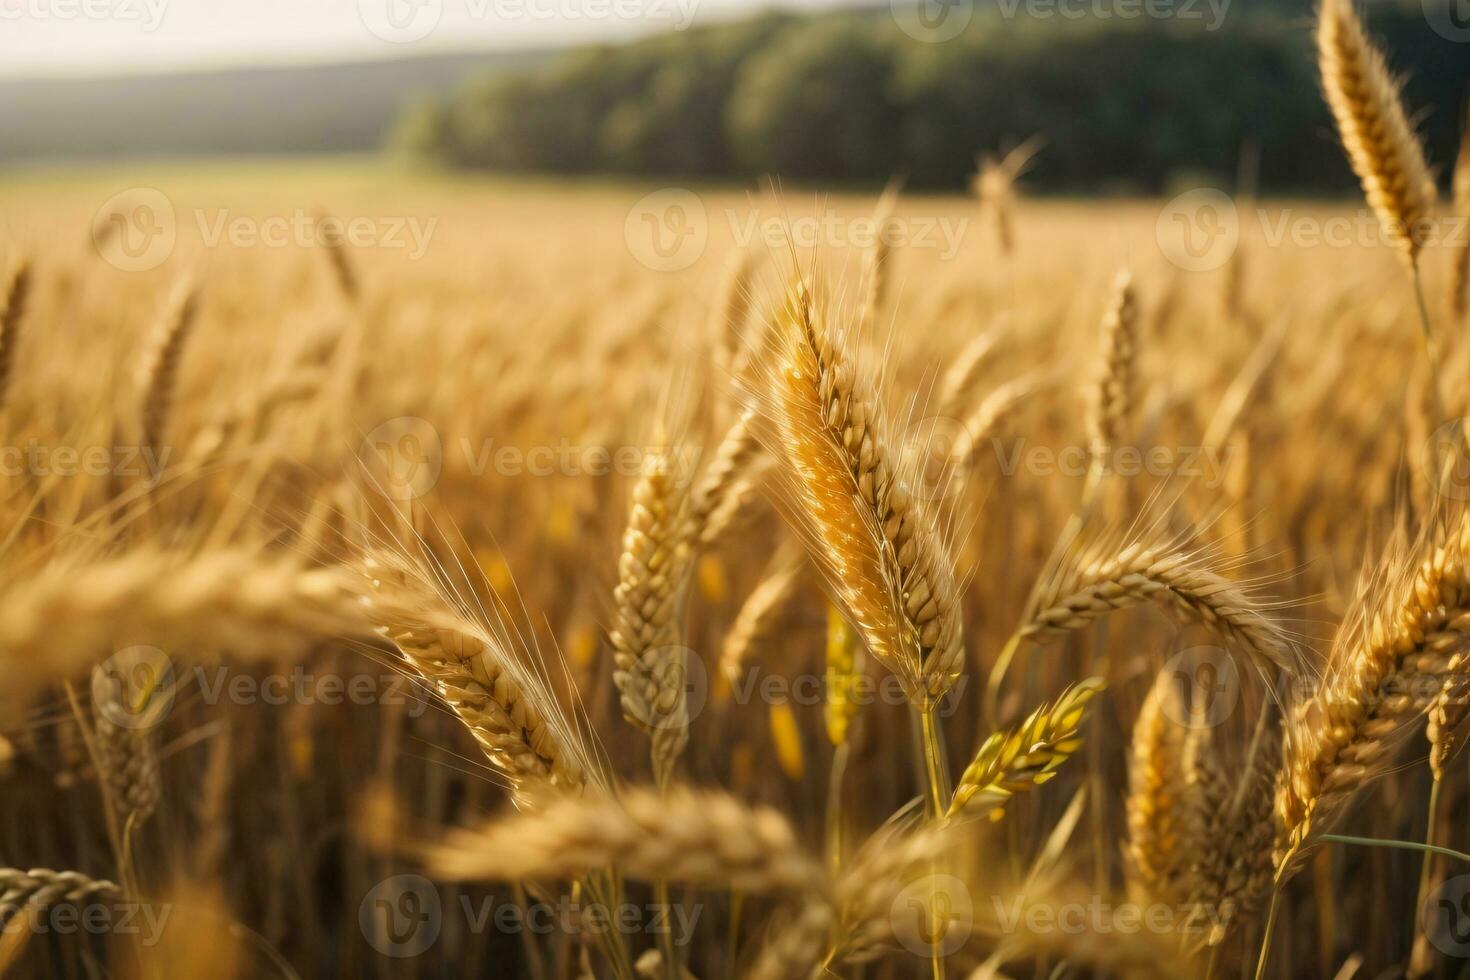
x=77, y=37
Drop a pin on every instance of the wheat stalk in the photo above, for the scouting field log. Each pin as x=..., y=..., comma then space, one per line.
x=1114, y=392
x=127, y=757
x=857, y=924
x=1231, y=828
x=652, y=577
x=1406, y=625
x=159, y=368
x=16, y=293
x=730, y=310
x=960, y=383
x=1155, y=849
x=993, y=412
x=1451, y=703
x=1028, y=755
x=761, y=615
x=1380, y=143
x=67, y=614
x=718, y=493
x=1113, y=573
x=40, y=888
x=330, y=235
x=876, y=272
x=707, y=839
x=1460, y=271
x=994, y=184
x=874, y=542
x=514, y=718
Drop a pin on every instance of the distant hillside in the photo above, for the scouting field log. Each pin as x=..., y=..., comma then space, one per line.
x=326, y=108
x=1126, y=102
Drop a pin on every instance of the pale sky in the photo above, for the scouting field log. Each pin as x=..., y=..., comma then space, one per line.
x=73, y=37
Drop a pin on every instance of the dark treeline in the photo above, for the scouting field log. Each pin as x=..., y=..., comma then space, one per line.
x=1128, y=105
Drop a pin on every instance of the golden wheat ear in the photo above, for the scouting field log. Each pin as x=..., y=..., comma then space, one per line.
x=1460, y=271
x=1115, y=390
x=1026, y=756
x=840, y=486
x=41, y=888
x=763, y=612
x=1121, y=567
x=470, y=661
x=1380, y=142
x=702, y=838
x=1155, y=848
x=653, y=572
x=13, y=299
x=159, y=369
x=1411, y=616
x=1229, y=824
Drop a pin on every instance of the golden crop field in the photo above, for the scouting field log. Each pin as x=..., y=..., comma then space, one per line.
x=431, y=576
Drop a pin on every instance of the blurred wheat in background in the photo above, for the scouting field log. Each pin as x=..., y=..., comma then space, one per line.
x=433, y=576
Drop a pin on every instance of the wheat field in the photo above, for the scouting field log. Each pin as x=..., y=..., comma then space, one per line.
x=421, y=576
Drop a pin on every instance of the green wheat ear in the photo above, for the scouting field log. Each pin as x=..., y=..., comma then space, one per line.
x=1025, y=756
